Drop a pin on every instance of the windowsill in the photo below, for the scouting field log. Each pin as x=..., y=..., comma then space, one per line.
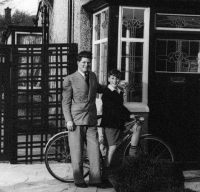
x=137, y=107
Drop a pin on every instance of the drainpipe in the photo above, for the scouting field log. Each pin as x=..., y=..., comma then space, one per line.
x=69, y=21
x=44, y=24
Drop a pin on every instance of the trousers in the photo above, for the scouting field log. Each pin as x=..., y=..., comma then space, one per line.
x=77, y=140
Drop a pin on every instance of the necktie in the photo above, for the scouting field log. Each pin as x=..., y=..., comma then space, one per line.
x=87, y=77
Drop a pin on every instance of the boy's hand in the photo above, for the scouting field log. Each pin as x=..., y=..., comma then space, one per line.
x=132, y=116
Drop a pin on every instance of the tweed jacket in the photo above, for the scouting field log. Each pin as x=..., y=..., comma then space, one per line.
x=78, y=101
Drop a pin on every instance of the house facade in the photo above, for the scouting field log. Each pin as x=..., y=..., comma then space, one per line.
x=156, y=46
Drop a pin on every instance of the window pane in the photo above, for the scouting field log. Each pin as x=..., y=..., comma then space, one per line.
x=97, y=26
x=177, y=21
x=103, y=73
x=132, y=67
x=97, y=59
x=177, y=55
x=104, y=24
x=133, y=23
x=101, y=25
x=100, y=62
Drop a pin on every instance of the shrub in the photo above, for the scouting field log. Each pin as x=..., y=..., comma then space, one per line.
x=142, y=175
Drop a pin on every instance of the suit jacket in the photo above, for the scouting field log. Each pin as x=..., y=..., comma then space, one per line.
x=78, y=101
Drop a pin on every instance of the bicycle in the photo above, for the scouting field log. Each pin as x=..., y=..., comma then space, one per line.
x=58, y=160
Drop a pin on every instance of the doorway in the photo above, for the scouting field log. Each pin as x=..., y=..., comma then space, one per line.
x=174, y=89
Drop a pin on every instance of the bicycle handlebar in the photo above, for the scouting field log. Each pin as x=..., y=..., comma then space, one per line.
x=137, y=119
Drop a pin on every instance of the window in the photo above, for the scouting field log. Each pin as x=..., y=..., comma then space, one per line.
x=100, y=44
x=177, y=22
x=177, y=55
x=133, y=48
x=182, y=54
x=29, y=63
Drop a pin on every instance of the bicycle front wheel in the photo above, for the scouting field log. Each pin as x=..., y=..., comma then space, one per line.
x=58, y=159
x=154, y=148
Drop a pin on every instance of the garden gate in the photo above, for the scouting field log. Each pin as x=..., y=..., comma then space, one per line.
x=31, y=79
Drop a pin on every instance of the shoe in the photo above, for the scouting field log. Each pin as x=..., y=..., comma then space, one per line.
x=81, y=185
x=101, y=185
x=106, y=172
x=107, y=183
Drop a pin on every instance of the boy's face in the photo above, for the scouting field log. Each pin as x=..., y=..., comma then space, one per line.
x=114, y=81
x=84, y=64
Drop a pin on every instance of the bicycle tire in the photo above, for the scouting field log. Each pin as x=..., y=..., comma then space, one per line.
x=58, y=159
x=154, y=148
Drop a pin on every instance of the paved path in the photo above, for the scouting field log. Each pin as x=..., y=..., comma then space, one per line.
x=192, y=180
x=35, y=178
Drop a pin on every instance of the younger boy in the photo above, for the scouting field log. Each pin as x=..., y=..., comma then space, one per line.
x=114, y=116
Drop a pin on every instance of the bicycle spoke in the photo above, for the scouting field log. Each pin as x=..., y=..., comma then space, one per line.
x=158, y=153
x=58, y=159
x=157, y=150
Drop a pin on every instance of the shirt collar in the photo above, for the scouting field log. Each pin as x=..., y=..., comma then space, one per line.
x=81, y=73
x=112, y=89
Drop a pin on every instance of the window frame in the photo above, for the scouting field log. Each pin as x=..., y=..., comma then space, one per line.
x=144, y=40
x=101, y=73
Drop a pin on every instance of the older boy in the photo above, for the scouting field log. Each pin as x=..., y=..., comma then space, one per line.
x=79, y=108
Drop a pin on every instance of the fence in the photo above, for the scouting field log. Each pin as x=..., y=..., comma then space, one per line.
x=33, y=108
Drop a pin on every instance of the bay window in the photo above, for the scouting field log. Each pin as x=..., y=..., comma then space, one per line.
x=133, y=48
x=131, y=51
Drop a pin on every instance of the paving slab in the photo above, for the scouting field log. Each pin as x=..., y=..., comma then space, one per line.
x=192, y=180
x=35, y=178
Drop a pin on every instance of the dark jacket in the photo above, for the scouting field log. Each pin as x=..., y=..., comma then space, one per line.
x=114, y=112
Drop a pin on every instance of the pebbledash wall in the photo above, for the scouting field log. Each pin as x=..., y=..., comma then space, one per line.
x=81, y=29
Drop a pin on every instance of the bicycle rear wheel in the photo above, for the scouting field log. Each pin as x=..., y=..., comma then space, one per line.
x=154, y=148
x=58, y=159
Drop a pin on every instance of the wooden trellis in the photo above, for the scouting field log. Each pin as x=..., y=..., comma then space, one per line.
x=36, y=75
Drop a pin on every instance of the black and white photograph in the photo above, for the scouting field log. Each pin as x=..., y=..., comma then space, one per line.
x=99, y=96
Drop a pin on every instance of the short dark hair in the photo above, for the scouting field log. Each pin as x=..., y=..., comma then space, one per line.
x=85, y=54
x=115, y=73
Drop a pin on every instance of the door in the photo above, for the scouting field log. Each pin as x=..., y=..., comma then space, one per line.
x=175, y=93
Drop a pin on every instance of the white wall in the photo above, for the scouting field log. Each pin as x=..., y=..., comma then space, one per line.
x=58, y=31
x=81, y=26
